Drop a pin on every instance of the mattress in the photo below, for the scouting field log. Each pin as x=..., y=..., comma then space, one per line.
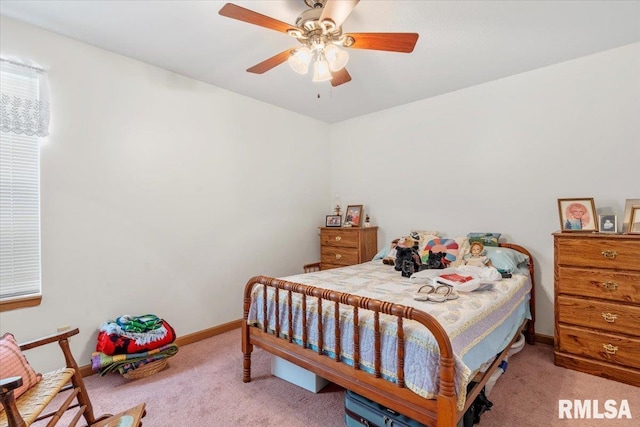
x=479, y=324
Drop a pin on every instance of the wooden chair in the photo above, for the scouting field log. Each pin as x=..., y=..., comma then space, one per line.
x=314, y=266
x=27, y=408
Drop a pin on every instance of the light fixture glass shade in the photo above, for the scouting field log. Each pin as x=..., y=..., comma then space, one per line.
x=336, y=57
x=299, y=60
x=321, y=71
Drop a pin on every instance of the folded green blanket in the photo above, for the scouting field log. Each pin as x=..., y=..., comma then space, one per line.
x=123, y=363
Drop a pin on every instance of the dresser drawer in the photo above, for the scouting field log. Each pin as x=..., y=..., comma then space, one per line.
x=339, y=256
x=599, y=346
x=348, y=239
x=600, y=315
x=599, y=253
x=603, y=284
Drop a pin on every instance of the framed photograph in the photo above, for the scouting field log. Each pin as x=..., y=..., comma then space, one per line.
x=634, y=224
x=608, y=223
x=353, y=215
x=626, y=219
x=333, y=221
x=577, y=214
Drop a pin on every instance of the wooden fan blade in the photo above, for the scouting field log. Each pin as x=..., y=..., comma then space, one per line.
x=230, y=10
x=392, y=42
x=268, y=64
x=340, y=77
x=337, y=10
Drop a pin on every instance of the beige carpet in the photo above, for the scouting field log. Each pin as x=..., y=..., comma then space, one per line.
x=203, y=387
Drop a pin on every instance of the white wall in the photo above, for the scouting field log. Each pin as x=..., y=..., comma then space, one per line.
x=153, y=199
x=161, y=194
x=496, y=157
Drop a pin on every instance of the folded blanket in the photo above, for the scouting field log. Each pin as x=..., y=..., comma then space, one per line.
x=122, y=363
x=141, y=338
x=147, y=322
x=114, y=343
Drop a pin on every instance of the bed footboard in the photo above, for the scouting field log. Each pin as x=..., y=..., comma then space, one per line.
x=441, y=411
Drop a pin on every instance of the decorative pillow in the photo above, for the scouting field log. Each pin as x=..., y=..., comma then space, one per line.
x=505, y=259
x=487, y=239
x=423, y=236
x=14, y=364
x=464, y=247
x=441, y=244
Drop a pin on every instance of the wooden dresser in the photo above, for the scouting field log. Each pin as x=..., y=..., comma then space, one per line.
x=597, y=304
x=347, y=246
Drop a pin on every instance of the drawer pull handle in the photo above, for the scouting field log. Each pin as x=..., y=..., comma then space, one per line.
x=338, y=238
x=610, y=286
x=609, y=254
x=609, y=317
x=610, y=349
x=338, y=256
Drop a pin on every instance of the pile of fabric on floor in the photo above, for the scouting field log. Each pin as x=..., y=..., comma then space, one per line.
x=131, y=342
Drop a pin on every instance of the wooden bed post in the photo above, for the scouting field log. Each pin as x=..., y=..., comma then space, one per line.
x=447, y=409
x=530, y=330
x=247, y=347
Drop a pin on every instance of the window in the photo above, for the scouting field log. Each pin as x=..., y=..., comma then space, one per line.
x=24, y=117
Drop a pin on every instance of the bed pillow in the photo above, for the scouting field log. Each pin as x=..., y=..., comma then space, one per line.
x=506, y=259
x=382, y=253
x=14, y=364
x=487, y=239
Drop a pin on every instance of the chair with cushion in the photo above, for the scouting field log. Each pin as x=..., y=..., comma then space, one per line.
x=25, y=394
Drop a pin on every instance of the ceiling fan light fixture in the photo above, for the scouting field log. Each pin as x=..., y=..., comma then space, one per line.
x=336, y=57
x=299, y=60
x=321, y=71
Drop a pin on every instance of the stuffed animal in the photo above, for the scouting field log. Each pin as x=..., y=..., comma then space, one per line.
x=435, y=260
x=407, y=256
x=390, y=259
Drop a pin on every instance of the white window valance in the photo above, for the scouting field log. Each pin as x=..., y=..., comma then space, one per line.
x=20, y=112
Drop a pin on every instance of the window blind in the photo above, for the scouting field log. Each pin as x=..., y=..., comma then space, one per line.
x=20, y=269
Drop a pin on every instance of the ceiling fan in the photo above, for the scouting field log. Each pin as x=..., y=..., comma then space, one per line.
x=319, y=30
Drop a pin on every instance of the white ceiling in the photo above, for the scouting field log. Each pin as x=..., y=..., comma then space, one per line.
x=461, y=44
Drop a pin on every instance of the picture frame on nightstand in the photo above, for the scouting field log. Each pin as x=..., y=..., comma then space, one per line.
x=353, y=215
x=608, y=223
x=333, y=221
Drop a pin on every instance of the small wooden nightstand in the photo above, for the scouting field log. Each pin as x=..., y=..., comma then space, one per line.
x=597, y=304
x=344, y=246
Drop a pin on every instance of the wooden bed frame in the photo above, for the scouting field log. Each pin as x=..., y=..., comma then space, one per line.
x=440, y=411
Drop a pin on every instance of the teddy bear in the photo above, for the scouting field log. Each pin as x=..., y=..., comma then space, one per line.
x=407, y=256
x=390, y=259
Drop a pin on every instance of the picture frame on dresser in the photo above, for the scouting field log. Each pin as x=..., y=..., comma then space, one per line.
x=577, y=214
x=608, y=223
x=353, y=215
x=634, y=222
x=628, y=205
x=333, y=221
